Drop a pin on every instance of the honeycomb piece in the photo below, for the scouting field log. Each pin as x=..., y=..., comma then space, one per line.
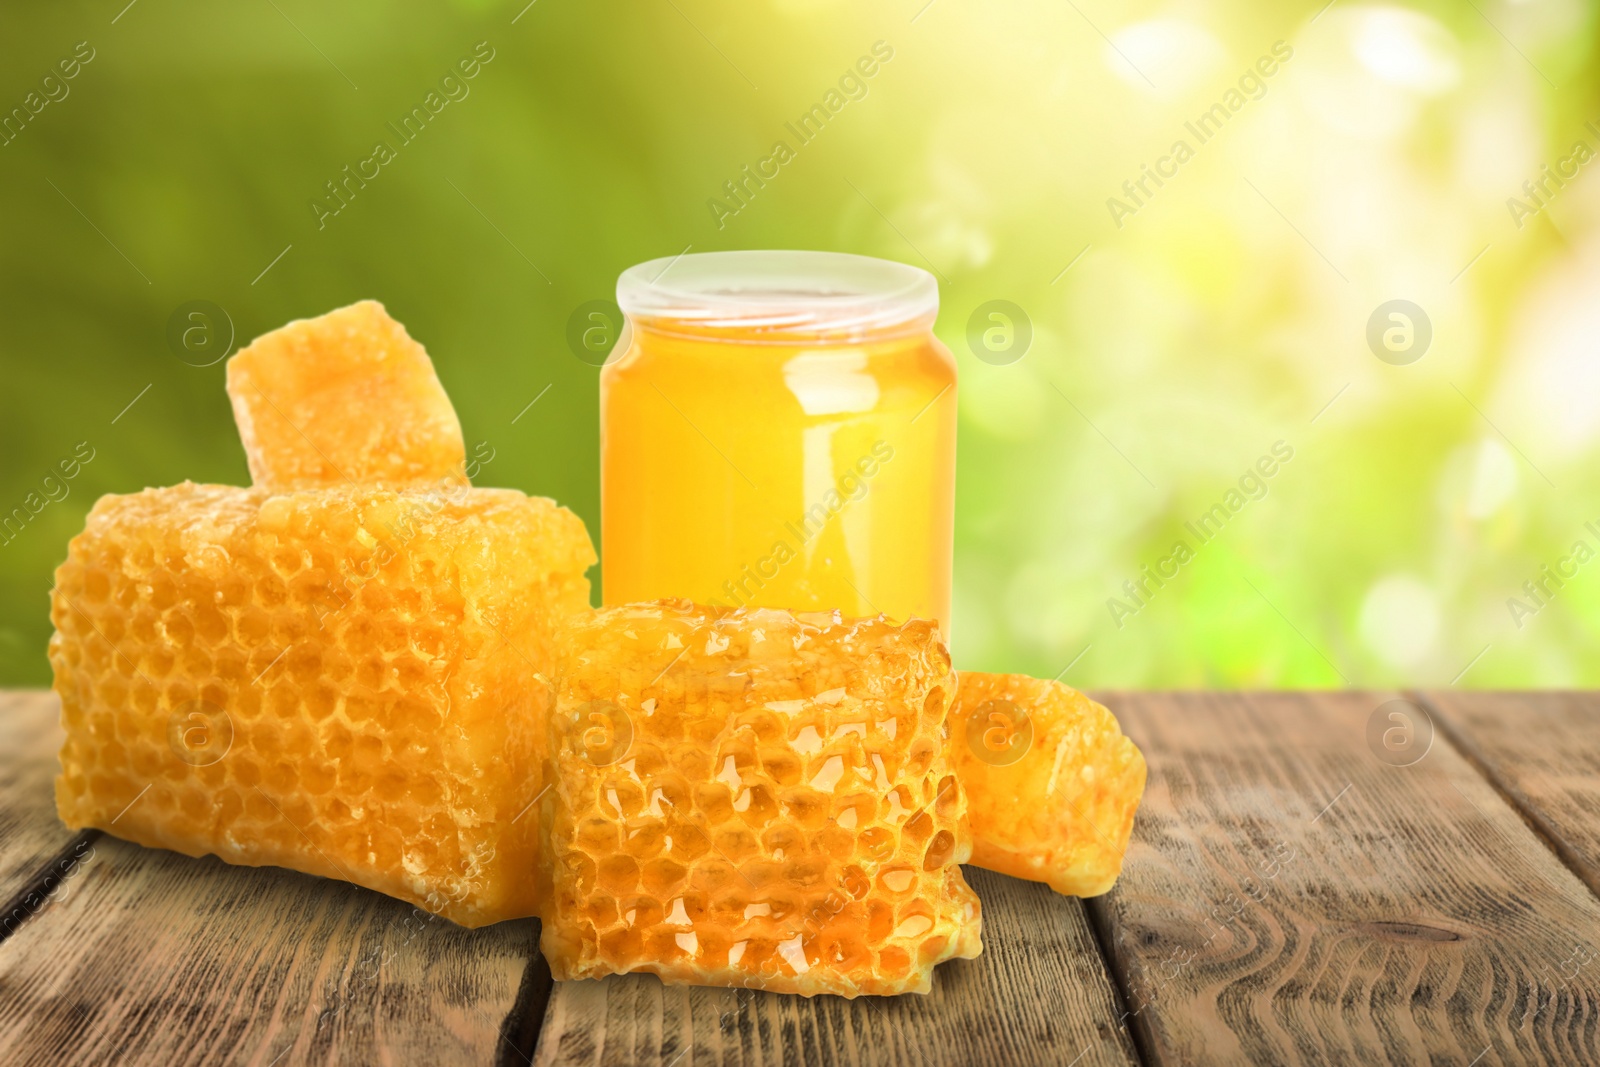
x=348, y=398
x=348, y=682
x=1051, y=781
x=755, y=798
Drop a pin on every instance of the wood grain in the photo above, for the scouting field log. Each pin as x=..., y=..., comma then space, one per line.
x=33, y=843
x=148, y=957
x=1037, y=995
x=1291, y=898
x=1543, y=751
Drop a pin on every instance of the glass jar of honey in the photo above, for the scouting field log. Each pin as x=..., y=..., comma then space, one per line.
x=778, y=429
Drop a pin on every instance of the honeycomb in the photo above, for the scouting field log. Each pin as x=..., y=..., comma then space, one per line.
x=1052, y=784
x=755, y=798
x=345, y=399
x=349, y=682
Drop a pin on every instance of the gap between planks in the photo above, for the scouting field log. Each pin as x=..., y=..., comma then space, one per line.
x=36, y=893
x=1476, y=752
x=519, y=1034
x=1401, y=923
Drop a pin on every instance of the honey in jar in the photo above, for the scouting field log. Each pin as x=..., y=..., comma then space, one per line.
x=778, y=430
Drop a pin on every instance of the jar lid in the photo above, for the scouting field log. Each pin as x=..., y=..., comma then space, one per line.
x=779, y=294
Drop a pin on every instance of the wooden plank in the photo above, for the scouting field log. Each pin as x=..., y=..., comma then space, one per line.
x=32, y=840
x=1037, y=995
x=1292, y=897
x=154, y=958
x=1542, y=750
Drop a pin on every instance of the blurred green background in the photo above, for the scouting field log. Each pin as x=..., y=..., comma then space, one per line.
x=1173, y=344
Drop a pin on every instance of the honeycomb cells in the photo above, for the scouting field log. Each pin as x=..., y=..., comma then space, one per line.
x=348, y=681
x=1051, y=781
x=755, y=798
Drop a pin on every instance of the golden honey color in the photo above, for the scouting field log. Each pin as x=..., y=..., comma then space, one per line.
x=757, y=799
x=1051, y=781
x=323, y=672
x=786, y=440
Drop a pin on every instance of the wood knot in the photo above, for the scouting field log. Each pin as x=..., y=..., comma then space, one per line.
x=1402, y=931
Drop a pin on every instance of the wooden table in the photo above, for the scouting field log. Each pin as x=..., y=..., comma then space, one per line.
x=1293, y=895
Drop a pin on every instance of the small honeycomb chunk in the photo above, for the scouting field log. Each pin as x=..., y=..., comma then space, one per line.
x=350, y=682
x=1051, y=781
x=755, y=798
x=345, y=399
